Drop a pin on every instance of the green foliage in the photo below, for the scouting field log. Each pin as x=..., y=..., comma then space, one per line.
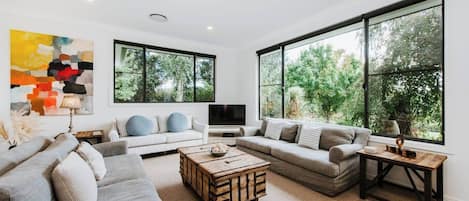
x=408, y=85
x=128, y=76
x=330, y=79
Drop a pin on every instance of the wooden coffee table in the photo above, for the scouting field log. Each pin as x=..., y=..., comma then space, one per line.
x=235, y=176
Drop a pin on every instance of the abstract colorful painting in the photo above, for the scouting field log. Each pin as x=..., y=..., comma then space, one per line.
x=44, y=68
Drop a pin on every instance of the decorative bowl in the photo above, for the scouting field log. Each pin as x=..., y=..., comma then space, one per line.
x=218, y=154
x=219, y=150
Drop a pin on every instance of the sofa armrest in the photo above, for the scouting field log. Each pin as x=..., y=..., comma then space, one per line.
x=112, y=148
x=203, y=128
x=341, y=152
x=248, y=130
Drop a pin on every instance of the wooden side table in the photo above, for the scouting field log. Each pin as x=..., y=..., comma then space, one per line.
x=90, y=136
x=424, y=162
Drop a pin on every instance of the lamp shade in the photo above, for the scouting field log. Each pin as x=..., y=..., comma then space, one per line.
x=391, y=127
x=71, y=101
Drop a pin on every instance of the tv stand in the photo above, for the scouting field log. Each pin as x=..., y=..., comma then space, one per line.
x=224, y=131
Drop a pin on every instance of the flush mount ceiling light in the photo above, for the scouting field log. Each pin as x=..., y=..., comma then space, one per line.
x=158, y=17
x=210, y=28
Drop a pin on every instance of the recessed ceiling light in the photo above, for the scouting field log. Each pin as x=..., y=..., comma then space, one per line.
x=209, y=28
x=158, y=17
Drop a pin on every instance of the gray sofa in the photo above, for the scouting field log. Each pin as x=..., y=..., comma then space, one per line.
x=25, y=171
x=327, y=171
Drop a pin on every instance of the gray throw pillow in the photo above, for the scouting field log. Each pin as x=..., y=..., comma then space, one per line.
x=289, y=133
x=335, y=136
x=263, y=127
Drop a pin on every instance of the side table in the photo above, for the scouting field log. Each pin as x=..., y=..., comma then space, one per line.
x=424, y=162
x=92, y=136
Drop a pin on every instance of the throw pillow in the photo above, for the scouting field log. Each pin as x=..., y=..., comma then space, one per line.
x=274, y=129
x=177, y=122
x=335, y=136
x=263, y=126
x=94, y=159
x=289, y=133
x=310, y=137
x=163, y=123
x=73, y=179
x=139, y=126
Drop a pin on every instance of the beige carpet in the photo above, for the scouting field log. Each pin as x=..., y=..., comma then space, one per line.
x=164, y=171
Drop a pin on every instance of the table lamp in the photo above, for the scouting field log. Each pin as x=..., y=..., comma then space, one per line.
x=391, y=127
x=71, y=102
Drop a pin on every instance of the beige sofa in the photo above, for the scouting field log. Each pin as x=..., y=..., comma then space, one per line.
x=327, y=171
x=161, y=139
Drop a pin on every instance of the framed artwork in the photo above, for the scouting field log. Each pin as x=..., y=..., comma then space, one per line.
x=44, y=68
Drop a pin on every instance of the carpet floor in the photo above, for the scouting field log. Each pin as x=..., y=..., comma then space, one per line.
x=164, y=171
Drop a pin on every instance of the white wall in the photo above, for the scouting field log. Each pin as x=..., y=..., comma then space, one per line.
x=103, y=36
x=456, y=85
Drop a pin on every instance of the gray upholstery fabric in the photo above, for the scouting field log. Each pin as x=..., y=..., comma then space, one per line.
x=289, y=133
x=335, y=136
x=362, y=135
x=341, y=152
x=263, y=127
x=313, y=160
x=121, y=168
x=15, y=156
x=258, y=143
x=112, y=148
x=131, y=190
x=318, y=182
x=63, y=145
x=30, y=180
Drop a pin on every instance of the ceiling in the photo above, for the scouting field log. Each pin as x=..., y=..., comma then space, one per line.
x=235, y=22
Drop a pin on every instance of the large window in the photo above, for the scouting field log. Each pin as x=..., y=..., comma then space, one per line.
x=385, y=66
x=148, y=74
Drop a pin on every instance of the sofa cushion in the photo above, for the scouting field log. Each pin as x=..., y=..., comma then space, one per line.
x=335, y=136
x=31, y=179
x=139, y=126
x=135, y=190
x=289, y=133
x=94, y=159
x=74, y=180
x=17, y=155
x=258, y=143
x=186, y=135
x=137, y=141
x=313, y=160
x=63, y=145
x=122, y=121
x=177, y=122
x=121, y=168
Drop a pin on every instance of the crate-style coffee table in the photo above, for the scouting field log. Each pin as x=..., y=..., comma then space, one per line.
x=235, y=176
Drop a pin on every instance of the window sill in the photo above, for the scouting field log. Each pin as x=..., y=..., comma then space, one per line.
x=412, y=144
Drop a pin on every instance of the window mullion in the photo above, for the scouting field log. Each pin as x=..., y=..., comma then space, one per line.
x=366, y=68
x=282, y=49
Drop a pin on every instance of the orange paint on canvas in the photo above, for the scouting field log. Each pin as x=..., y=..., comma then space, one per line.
x=21, y=78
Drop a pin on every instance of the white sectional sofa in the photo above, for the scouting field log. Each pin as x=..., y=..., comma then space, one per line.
x=161, y=139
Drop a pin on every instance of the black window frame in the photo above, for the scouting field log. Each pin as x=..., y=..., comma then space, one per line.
x=364, y=18
x=146, y=47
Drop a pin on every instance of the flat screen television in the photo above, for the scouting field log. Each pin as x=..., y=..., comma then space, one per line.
x=227, y=114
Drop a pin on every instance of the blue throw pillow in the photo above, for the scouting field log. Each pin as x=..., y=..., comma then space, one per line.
x=139, y=126
x=177, y=122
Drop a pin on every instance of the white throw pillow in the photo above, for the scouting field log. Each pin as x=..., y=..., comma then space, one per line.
x=274, y=129
x=94, y=159
x=73, y=179
x=310, y=136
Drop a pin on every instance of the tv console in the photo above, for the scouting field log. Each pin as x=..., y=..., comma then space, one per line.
x=224, y=131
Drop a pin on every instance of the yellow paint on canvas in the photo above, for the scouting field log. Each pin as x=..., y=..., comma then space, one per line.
x=31, y=51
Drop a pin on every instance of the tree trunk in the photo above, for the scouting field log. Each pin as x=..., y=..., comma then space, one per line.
x=179, y=91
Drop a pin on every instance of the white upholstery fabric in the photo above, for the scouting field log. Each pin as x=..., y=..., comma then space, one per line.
x=93, y=158
x=182, y=136
x=274, y=129
x=122, y=121
x=73, y=180
x=310, y=137
x=136, y=141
